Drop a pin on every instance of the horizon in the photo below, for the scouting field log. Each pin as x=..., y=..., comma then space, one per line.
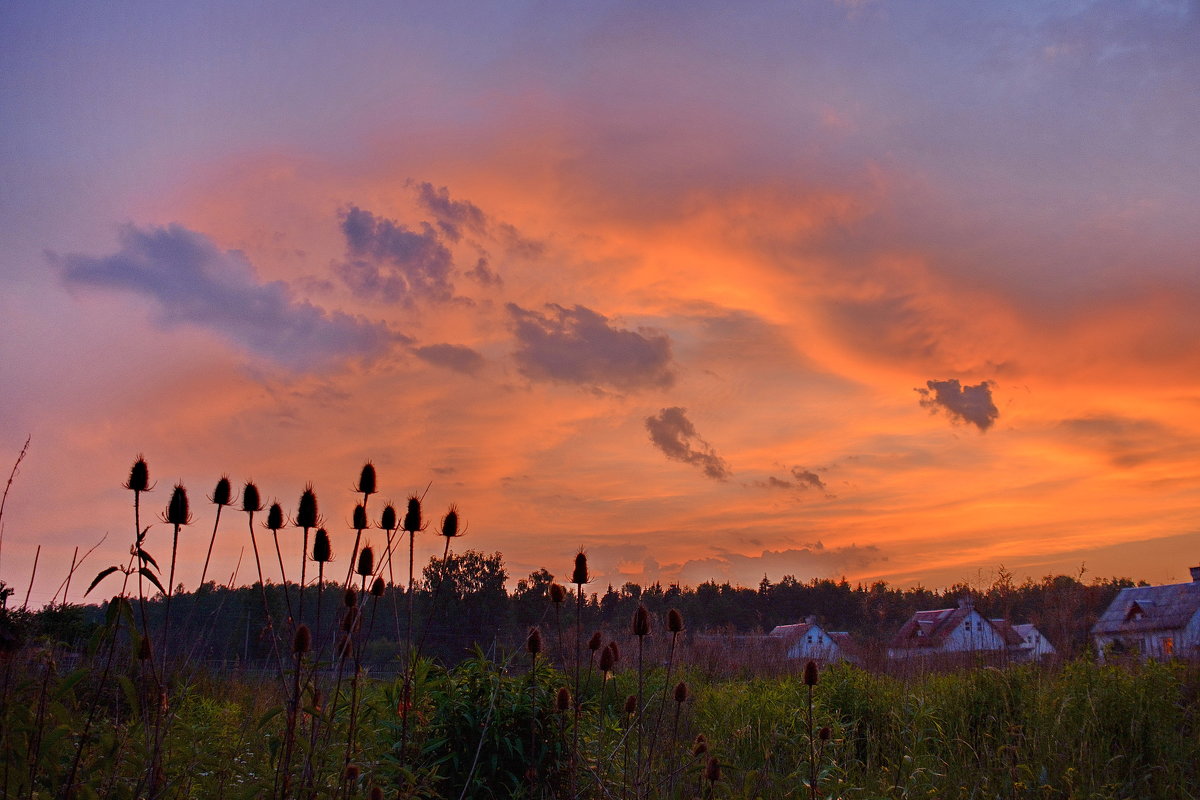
x=856, y=288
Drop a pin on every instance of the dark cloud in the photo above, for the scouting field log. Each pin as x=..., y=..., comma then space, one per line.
x=577, y=345
x=195, y=283
x=673, y=433
x=801, y=479
x=457, y=357
x=483, y=274
x=1126, y=441
x=971, y=404
x=389, y=261
x=452, y=215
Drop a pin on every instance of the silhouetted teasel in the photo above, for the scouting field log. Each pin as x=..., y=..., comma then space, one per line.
x=580, y=575
x=616, y=651
x=631, y=704
x=366, y=562
x=376, y=792
x=387, y=518
x=712, y=772
x=641, y=621
x=177, y=512
x=274, y=518
x=607, y=660
x=144, y=649
x=450, y=523
x=302, y=641
x=360, y=518
x=674, y=621
x=251, y=502
x=306, y=512
x=378, y=587
x=366, y=479
x=681, y=692
x=139, y=476
x=810, y=673
x=322, y=551
x=594, y=642
x=533, y=642
x=350, y=597
x=824, y=733
x=700, y=745
x=412, y=517
x=558, y=593
x=223, y=492
x=562, y=700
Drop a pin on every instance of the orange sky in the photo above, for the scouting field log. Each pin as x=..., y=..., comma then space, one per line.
x=747, y=306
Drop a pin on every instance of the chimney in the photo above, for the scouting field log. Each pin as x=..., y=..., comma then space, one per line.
x=1195, y=574
x=966, y=602
x=811, y=619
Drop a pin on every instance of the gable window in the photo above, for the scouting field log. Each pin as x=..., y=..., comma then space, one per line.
x=1169, y=646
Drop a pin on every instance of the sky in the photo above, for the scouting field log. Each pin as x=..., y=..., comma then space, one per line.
x=900, y=291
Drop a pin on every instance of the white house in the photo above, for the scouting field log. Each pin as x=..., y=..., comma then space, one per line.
x=1152, y=621
x=1031, y=644
x=948, y=631
x=809, y=641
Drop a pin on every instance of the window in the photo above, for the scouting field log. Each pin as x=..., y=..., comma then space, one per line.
x=810, y=638
x=1169, y=646
x=967, y=625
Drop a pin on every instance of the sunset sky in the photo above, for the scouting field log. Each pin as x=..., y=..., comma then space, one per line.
x=883, y=290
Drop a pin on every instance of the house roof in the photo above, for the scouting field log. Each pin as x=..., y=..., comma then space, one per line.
x=792, y=631
x=1162, y=608
x=929, y=628
x=1013, y=635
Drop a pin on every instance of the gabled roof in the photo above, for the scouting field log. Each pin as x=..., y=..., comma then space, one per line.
x=1139, y=609
x=929, y=628
x=793, y=631
x=1013, y=635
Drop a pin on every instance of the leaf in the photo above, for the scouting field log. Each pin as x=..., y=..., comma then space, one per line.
x=149, y=575
x=104, y=573
x=146, y=557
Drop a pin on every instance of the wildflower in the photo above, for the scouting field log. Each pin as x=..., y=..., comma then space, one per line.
x=302, y=641
x=366, y=562
x=533, y=643
x=139, y=476
x=322, y=551
x=641, y=621
x=177, y=510
x=580, y=575
x=306, y=514
x=250, y=500
x=387, y=519
x=275, y=517
x=366, y=479
x=360, y=517
x=412, y=517
x=810, y=673
x=222, y=494
x=674, y=621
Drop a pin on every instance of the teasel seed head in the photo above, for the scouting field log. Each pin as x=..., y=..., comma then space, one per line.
x=387, y=518
x=579, y=575
x=302, y=641
x=700, y=745
x=562, y=700
x=674, y=620
x=681, y=692
x=350, y=597
x=378, y=587
x=533, y=643
x=606, y=660
x=144, y=650
x=641, y=621
x=376, y=793
x=360, y=518
x=825, y=733
x=322, y=549
x=352, y=773
x=713, y=772
x=366, y=479
x=412, y=517
x=594, y=642
x=274, y=517
x=450, y=523
x=177, y=510
x=616, y=651
x=366, y=562
x=223, y=493
x=631, y=704
x=810, y=674
x=558, y=593
x=251, y=503
x=139, y=476
x=306, y=513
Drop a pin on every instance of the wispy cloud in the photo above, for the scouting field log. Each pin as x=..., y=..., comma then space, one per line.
x=578, y=345
x=193, y=282
x=799, y=479
x=675, y=435
x=457, y=357
x=970, y=404
x=453, y=216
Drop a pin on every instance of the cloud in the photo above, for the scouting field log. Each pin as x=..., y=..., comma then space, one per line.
x=803, y=563
x=389, y=261
x=577, y=345
x=195, y=283
x=483, y=274
x=452, y=215
x=673, y=433
x=971, y=404
x=801, y=479
x=457, y=357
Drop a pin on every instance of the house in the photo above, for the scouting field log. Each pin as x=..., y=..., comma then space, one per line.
x=949, y=631
x=1152, y=621
x=1033, y=646
x=809, y=641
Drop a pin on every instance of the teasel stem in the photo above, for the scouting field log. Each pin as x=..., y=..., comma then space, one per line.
x=810, y=680
x=641, y=629
x=675, y=626
x=220, y=498
x=251, y=506
x=412, y=524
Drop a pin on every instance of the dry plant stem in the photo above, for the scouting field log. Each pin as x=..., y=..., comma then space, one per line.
x=35, y=746
x=262, y=585
x=33, y=575
x=576, y=701
x=284, y=774
x=212, y=540
x=667, y=689
x=303, y=564
x=287, y=596
x=11, y=476
x=637, y=767
x=170, y=593
x=812, y=749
